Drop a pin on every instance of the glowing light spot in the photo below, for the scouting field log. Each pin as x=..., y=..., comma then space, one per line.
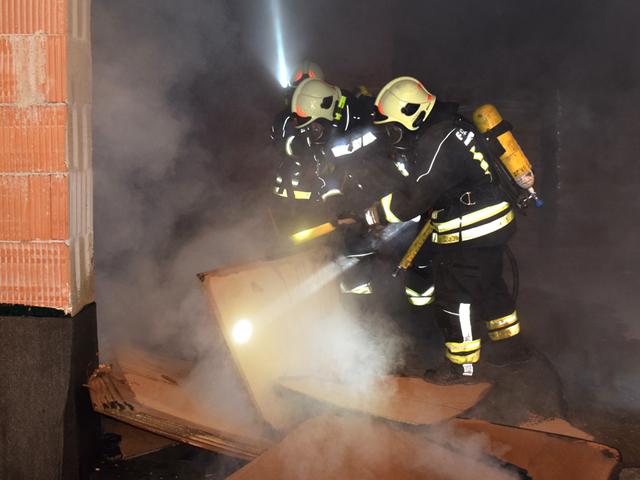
x=298, y=75
x=380, y=108
x=312, y=74
x=300, y=112
x=242, y=331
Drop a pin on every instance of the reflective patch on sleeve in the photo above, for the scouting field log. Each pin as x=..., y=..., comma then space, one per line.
x=287, y=146
x=368, y=138
x=331, y=193
x=364, y=289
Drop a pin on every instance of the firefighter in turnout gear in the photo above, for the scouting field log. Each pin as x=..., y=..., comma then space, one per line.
x=472, y=222
x=337, y=129
x=296, y=181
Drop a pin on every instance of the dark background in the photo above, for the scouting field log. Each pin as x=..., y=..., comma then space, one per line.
x=184, y=95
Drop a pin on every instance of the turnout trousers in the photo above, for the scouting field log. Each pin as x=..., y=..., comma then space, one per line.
x=473, y=302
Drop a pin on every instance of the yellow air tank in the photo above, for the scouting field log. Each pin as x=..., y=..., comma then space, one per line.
x=487, y=117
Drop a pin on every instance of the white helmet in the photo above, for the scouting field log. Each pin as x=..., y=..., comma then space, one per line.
x=406, y=101
x=314, y=99
x=304, y=70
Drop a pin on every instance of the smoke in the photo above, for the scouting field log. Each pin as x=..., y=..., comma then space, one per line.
x=183, y=101
x=184, y=96
x=333, y=447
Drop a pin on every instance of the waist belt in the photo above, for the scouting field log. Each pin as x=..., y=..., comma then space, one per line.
x=460, y=224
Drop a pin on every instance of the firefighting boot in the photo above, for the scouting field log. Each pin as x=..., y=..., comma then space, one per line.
x=449, y=373
x=510, y=351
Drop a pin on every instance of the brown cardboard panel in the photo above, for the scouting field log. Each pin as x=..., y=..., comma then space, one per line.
x=150, y=392
x=556, y=425
x=407, y=400
x=31, y=16
x=360, y=447
x=543, y=455
x=331, y=447
x=134, y=441
x=293, y=306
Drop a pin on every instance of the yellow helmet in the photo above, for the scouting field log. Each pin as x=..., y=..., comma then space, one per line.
x=314, y=99
x=406, y=101
x=304, y=70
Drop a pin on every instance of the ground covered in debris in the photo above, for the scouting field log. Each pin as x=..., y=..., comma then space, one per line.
x=181, y=462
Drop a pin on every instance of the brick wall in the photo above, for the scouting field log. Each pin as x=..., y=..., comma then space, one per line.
x=46, y=222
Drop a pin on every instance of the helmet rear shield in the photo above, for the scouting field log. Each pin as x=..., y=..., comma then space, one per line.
x=314, y=99
x=304, y=70
x=404, y=100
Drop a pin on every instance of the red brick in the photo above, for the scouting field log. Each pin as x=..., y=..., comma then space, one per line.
x=33, y=207
x=33, y=69
x=32, y=139
x=31, y=16
x=35, y=274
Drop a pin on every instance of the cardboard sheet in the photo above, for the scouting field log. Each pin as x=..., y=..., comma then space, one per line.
x=149, y=392
x=351, y=447
x=290, y=317
x=407, y=400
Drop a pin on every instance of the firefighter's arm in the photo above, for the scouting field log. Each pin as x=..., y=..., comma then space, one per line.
x=438, y=170
x=404, y=204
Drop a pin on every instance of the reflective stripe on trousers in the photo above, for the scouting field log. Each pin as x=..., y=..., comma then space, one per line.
x=503, y=327
x=420, y=299
x=466, y=352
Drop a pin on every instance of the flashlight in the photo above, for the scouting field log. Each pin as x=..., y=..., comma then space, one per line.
x=242, y=331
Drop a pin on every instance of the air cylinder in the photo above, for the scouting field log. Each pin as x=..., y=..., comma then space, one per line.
x=487, y=117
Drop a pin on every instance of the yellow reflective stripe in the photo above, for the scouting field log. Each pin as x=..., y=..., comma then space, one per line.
x=461, y=347
x=364, y=289
x=474, y=232
x=410, y=292
x=427, y=293
x=386, y=206
x=502, y=321
x=460, y=359
x=508, y=332
x=420, y=301
x=471, y=218
x=313, y=232
x=300, y=195
x=297, y=194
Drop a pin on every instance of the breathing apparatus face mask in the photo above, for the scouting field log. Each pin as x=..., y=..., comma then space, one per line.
x=401, y=138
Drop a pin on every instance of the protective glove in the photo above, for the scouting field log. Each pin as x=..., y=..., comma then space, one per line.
x=374, y=215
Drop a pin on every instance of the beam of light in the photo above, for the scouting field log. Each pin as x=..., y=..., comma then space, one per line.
x=242, y=331
x=281, y=73
x=321, y=277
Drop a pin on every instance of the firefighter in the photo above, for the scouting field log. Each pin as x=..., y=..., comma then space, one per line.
x=472, y=222
x=295, y=182
x=337, y=129
x=283, y=127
